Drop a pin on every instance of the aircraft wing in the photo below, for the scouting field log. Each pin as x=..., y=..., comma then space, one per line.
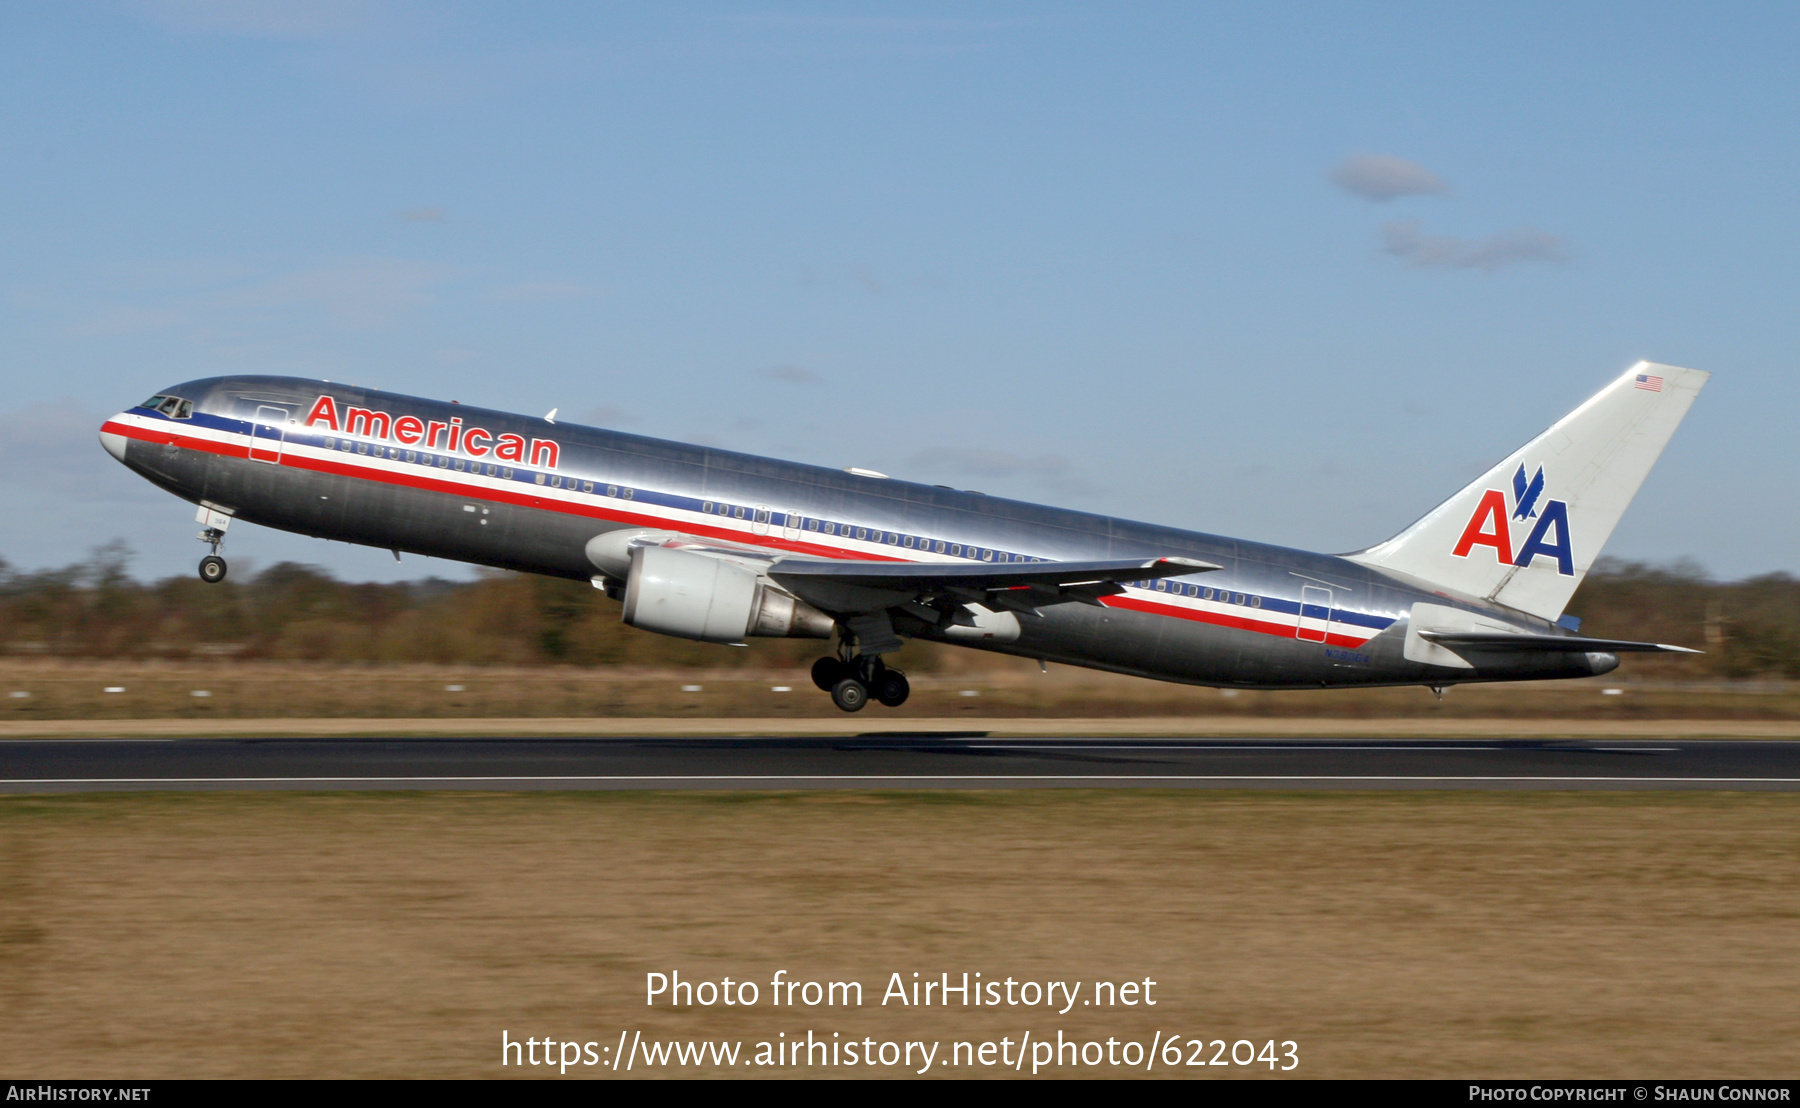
x=860, y=586
x=1501, y=640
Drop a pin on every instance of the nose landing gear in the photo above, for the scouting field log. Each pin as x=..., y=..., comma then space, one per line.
x=852, y=682
x=212, y=567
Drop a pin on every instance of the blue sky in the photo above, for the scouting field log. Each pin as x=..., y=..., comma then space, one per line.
x=1289, y=272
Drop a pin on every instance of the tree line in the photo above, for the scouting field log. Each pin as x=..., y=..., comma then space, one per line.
x=289, y=611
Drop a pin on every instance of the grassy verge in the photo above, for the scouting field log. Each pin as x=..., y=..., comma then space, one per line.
x=843, y=725
x=1389, y=935
x=61, y=690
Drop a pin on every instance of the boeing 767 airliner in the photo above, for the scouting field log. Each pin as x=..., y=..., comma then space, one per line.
x=717, y=546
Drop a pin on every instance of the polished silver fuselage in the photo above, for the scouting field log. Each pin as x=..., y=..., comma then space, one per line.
x=1271, y=617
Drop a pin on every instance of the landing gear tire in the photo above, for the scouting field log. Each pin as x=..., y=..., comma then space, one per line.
x=892, y=688
x=850, y=694
x=827, y=672
x=212, y=569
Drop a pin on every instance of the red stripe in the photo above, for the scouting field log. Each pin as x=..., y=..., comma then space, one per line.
x=498, y=496
x=1220, y=619
x=435, y=484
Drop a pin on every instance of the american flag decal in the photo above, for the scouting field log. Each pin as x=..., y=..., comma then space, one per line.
x=1647, y=383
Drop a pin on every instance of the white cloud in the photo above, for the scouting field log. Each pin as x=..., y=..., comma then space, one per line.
x=606, y=415
x=56, y=448
x=1525, y=244
x=547, y=290
x=268, y=19
x=361, y=294
x=1381, y=177
x=793, y=375
x=132, y=319
x=867, y=24
x=989, y=463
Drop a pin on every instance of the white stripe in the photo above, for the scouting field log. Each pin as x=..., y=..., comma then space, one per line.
x=474, y=484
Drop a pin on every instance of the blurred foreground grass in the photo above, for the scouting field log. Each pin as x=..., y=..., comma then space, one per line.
x=1391, y=935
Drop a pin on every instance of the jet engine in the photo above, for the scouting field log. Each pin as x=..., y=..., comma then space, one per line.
x=699, y=596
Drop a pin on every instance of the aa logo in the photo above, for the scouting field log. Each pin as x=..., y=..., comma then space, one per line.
x=1491, y=526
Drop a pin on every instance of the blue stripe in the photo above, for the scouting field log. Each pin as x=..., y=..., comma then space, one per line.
x=299, y=437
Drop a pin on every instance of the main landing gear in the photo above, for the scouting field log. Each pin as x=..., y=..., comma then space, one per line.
x=851, y=682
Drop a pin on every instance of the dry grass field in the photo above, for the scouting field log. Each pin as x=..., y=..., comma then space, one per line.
x=38, y=690
x=1476, y=934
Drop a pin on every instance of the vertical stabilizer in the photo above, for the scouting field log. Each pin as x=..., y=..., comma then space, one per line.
x=1528, y=530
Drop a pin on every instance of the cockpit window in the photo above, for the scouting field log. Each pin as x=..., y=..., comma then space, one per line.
x=154, y=401
x=174, y=407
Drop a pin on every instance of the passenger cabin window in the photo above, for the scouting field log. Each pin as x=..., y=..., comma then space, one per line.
x=707, y=507
x=812, y=525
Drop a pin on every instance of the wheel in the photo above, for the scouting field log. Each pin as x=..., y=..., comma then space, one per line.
x=827, y=672
x=892, y=688
x=212, y=569
x=850, y=694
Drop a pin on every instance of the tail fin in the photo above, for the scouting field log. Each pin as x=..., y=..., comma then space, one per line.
x=1526, y=533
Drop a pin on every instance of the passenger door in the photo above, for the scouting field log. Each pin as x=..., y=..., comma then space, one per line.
x=1315, y=613
x=267, y=433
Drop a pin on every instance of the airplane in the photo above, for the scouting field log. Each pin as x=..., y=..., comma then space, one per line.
x=719, y=546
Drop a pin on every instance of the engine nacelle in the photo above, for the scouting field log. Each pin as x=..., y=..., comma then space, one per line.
x=698, y=596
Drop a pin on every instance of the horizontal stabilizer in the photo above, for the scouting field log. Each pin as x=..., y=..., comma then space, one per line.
x=1574, y=644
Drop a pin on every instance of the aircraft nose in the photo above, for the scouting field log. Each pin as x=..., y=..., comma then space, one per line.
x=112, y=440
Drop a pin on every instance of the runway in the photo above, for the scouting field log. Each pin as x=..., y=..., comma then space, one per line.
x=889, y=760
